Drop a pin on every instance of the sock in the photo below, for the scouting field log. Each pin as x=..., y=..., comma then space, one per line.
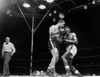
x=67, y=67
x=76, y=72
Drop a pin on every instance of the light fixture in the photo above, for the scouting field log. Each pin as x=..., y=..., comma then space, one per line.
x=49, y=1
x=50, y=14
x=93, y=2
x=8, y=12
x=41, y=6
x=61, y=15
x=54, y=11
x=54, y=19
x=85, y=7
x=26, y=5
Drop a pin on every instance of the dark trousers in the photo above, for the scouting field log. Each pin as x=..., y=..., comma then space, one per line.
x=6, y=57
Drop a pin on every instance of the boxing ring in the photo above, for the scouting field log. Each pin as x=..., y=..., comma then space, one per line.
x=34, y=74
x=48, y=76
x=27, y=70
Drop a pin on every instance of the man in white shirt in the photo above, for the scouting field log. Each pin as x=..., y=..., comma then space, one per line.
x=54, y=39
x=8, y=50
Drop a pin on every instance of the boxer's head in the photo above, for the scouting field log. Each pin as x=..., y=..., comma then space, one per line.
x=61, y=21
x=67, y=30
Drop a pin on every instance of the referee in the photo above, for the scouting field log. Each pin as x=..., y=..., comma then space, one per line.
x=8, y=50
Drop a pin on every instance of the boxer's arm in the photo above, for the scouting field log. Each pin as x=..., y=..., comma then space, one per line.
x=73, y=40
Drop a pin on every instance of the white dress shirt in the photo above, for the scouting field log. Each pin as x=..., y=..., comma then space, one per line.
x=8, y=47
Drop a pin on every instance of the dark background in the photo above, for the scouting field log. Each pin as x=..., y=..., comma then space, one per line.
x=85, y=23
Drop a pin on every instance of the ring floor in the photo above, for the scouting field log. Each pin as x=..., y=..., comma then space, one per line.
x=44, y=76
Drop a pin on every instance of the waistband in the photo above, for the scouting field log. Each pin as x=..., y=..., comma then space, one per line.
x=7, y=52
